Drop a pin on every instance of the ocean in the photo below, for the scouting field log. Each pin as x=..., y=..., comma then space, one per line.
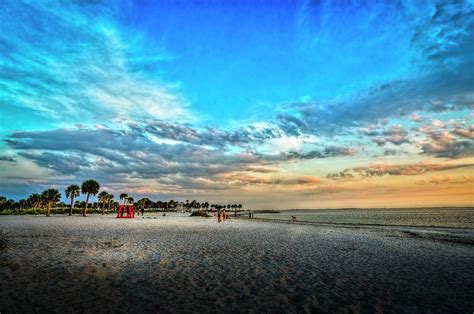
x=427, y=217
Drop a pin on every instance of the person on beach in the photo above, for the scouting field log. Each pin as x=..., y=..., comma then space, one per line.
x=219, y=216
x=293, y=218
x=142, y=210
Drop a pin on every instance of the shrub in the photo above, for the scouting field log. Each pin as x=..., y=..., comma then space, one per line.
x=200, y=213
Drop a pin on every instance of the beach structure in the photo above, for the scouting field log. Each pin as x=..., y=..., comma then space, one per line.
x=126, y=211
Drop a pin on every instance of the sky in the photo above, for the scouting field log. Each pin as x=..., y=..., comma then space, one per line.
x=272, y=104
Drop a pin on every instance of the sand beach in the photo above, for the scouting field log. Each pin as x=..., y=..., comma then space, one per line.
x=186, y=264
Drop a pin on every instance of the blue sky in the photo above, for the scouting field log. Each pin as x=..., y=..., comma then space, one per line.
x=209, y=99
x=232, y=60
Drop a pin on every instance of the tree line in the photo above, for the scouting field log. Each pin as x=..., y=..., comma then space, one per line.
x=106, y=202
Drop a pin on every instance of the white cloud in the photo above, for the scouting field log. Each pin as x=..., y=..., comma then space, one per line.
x=438, y=123
x=285, y=144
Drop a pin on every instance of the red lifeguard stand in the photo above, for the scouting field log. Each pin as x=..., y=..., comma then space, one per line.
x=126, y=211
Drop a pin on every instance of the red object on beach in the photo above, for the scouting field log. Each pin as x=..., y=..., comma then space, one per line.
x=126, y=211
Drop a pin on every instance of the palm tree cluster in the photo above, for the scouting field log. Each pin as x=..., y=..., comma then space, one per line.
x=72, y=192
x=34, y=201
x=200, y=206
x=105, y=201
x=51, y=197
x=105, y=198
x=126, y=199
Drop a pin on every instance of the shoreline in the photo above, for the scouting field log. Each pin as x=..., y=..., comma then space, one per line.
x=433, y=233
x=351, y=225
x=428, y=232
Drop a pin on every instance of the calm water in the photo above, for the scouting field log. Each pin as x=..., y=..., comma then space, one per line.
x=435, y=217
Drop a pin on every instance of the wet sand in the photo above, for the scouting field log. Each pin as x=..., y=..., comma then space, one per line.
x=185, y=264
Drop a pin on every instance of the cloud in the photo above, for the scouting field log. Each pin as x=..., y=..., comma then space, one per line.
x=74, y=56
x=60, y=163
x=341, y=176
x=469, y=133
x=245, y=179
x=415, y=117
x=308, y=180
x=210, y=136
x=291, y=125
x=393, y=101
x=7, y=159
x=445, y=145
x=437, y=123
x=330, y=151
x=440, y=39
x=395, y=134
x=382, y=169
x=446, y=179
x=441, y=79
x=127, y=154
x=237, y=180
x=390, y=152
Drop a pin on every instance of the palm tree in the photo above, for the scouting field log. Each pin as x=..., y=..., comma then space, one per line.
x=123, y=197
x=115, y=205
x=141, y=203
x=144, y=203
x=23, y=203
x=72, y=192
x=35, y=200
x=171, y=204
x=110, y=198
x=51, y=196
x=89, y=187
x=103, y=198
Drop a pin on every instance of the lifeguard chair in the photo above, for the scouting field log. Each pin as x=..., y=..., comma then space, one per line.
x=126, y=211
